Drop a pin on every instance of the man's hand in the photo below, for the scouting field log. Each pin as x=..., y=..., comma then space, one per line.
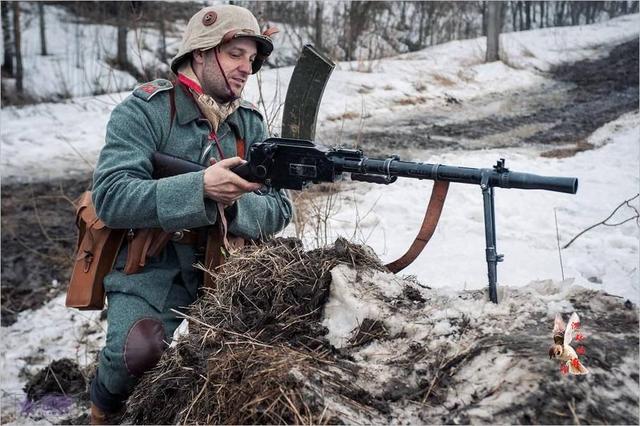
x=224, y=186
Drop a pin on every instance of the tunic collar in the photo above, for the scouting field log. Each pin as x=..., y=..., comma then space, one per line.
x=186, y=107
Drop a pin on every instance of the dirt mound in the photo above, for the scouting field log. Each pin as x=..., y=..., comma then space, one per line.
x=55, y=391
x=256, y=351
x=61, y=377
x=331, y=337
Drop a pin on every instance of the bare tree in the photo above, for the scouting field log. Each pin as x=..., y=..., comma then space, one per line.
x=317, y=25
x=17, y=46
x=122, y=61
x=483, y=11
x=43, y=39
x=7, y=64
x=494, y=28
x=162, y=28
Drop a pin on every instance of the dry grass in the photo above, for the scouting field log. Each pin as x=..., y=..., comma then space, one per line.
x=368, y=331
x=410, y=100
x=256, y=351
x=568, y=151
x=443, y=80
x=349, y=115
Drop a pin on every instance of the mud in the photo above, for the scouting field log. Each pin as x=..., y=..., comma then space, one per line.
x=602, y=90
x=61, y=377
x=38, y=237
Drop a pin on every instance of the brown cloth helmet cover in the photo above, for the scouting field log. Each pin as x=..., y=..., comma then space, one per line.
x=215, y=25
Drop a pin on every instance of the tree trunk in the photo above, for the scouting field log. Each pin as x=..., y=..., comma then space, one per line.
x=484, y=18
x=43, y=38
x=357, y=15
x=494, y=27
x=7, y=64
x=541, y=14
x=403, y=16
x=422, y=30
x=163, y=33
x=317, y=25
x=527, y=13
x=559, y=18
x=520, y=20
x=122, y=61
x=17, y=47
x=546, y=15
x=514, y=15
x=575, y=14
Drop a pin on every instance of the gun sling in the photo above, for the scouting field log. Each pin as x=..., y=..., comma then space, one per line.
x=431, y=218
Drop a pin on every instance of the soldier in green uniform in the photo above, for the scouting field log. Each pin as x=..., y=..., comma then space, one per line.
x=199, y=117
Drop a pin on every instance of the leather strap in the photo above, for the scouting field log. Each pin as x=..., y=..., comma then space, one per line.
x=431, y=217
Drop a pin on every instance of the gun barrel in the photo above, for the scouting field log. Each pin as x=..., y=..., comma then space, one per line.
x=469, y=175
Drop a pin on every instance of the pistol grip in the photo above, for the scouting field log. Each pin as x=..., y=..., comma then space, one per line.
x=243, y=170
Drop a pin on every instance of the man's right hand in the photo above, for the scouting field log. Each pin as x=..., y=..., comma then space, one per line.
x=224, y=186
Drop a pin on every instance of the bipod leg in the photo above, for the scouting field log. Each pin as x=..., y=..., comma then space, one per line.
x=490, y=237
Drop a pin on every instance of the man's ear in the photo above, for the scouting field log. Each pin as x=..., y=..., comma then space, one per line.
x=198, y=56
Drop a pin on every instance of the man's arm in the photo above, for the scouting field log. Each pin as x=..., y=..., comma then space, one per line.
x=124, y=193
x=256, y=216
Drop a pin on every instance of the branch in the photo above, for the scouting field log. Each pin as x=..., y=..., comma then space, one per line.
x=604, y=222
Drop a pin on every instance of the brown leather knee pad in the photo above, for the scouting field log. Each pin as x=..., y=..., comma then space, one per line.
x=144, y=345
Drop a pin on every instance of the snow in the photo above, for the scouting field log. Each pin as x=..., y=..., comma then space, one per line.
x=451, y=69
x=39, y=337
x=53, y=140
x=525, y=221
x=77, y=57
x=450, y=324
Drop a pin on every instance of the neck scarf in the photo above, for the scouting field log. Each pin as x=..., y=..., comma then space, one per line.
x=214, y=112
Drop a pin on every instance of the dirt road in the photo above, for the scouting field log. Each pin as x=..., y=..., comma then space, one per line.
x=580, y=98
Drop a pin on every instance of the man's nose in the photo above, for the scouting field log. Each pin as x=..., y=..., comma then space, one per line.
x=245, y=67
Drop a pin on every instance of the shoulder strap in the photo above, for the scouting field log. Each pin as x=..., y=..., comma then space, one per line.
x=431, y=217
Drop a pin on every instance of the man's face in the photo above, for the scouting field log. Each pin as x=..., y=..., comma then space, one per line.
x=235, y=58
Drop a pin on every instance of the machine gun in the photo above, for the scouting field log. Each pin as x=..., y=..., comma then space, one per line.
x=283, y=163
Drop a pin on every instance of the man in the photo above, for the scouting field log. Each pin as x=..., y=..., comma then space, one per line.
x=199, y=118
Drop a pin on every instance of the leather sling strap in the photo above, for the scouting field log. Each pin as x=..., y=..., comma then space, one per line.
x=431, y=217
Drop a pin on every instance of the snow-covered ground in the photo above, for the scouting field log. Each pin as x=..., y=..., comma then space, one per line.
x=69, y=136
x=388, y=218
x=77, y=57
x=50, y=141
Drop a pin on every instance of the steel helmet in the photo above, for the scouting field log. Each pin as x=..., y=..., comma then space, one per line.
x=216, y=25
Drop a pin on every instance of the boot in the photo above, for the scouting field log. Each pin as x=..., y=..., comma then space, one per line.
x=99, y=417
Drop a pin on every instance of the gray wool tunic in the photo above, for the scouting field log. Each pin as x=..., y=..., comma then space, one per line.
x=126, y=196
